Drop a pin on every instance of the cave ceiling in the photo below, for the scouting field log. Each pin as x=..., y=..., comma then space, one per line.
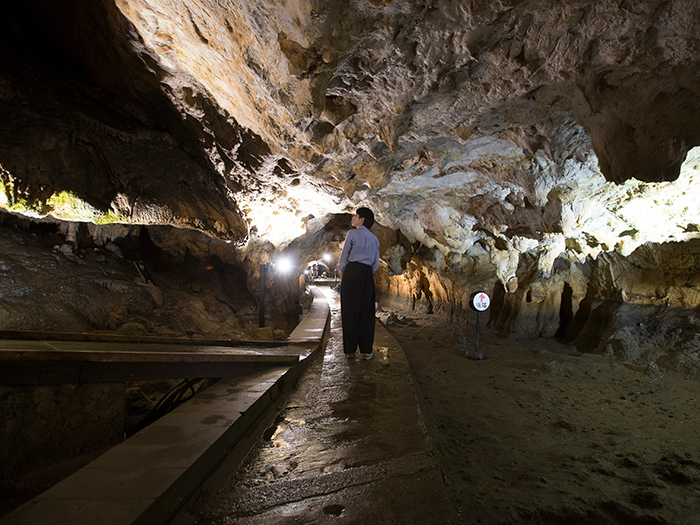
x=521, y=125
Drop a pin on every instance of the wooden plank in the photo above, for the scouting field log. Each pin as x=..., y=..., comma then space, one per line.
x=143, y=357
x=73, y=336
x=119, y=372
x=120, y=352
x=56, y=362
x=61, y=372
x=32, y=361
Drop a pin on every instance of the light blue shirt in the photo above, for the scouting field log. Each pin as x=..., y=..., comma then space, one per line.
x=362, y=246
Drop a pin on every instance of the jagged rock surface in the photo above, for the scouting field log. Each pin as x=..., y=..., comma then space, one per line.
x=539, y=150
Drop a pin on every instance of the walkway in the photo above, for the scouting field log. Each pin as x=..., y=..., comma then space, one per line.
x=349, y=447
x=342, y=442
x=149, y=477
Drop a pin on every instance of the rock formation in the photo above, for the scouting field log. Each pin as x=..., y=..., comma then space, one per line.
x=541, y=151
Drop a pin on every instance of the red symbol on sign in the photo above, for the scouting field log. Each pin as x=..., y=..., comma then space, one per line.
x=481, y=301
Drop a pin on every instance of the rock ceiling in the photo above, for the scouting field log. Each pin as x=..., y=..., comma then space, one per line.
x=524, y=126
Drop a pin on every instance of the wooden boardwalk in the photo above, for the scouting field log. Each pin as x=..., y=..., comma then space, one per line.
x=150, y=476
x=55, y=358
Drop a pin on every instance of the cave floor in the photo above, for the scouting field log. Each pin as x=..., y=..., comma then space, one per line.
x=538, y=433
x=348, y=446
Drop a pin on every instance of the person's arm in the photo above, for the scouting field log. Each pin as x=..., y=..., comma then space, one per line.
x=375, y=262
x=347, y=247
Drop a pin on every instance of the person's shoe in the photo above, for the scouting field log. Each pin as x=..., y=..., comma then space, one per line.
x=350, y=356
x=368, y=356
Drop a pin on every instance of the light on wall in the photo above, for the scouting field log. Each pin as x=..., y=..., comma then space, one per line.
x=282, y=265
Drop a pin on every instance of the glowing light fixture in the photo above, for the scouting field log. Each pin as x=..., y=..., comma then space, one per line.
x=283, y=265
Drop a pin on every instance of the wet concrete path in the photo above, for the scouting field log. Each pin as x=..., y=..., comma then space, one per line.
x=348, y=447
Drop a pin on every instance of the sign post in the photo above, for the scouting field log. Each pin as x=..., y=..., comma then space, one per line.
x=479, y=301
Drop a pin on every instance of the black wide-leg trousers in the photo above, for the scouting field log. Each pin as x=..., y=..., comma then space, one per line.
x=357, y=308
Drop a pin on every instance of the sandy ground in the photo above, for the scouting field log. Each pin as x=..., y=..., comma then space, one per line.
x=538, y=433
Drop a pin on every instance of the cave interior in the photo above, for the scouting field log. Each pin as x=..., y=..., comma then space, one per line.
x=546, y=153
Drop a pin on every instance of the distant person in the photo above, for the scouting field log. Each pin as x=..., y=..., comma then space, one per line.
x=358, y=262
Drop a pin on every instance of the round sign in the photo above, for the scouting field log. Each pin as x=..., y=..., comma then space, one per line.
x=480, y=301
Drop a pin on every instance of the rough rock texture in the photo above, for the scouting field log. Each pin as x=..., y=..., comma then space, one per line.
x=539, y=150
x=545, y=152
x=129, y=280
x=132, y=280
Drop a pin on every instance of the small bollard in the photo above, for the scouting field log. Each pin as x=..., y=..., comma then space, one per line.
x=479, y=301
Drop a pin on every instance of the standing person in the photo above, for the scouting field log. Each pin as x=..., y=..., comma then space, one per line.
x=358, y=262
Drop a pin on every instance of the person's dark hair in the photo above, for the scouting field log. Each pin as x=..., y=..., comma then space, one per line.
x=367, y=215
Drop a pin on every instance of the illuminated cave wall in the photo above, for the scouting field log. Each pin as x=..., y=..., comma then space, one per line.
x=535, y=151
